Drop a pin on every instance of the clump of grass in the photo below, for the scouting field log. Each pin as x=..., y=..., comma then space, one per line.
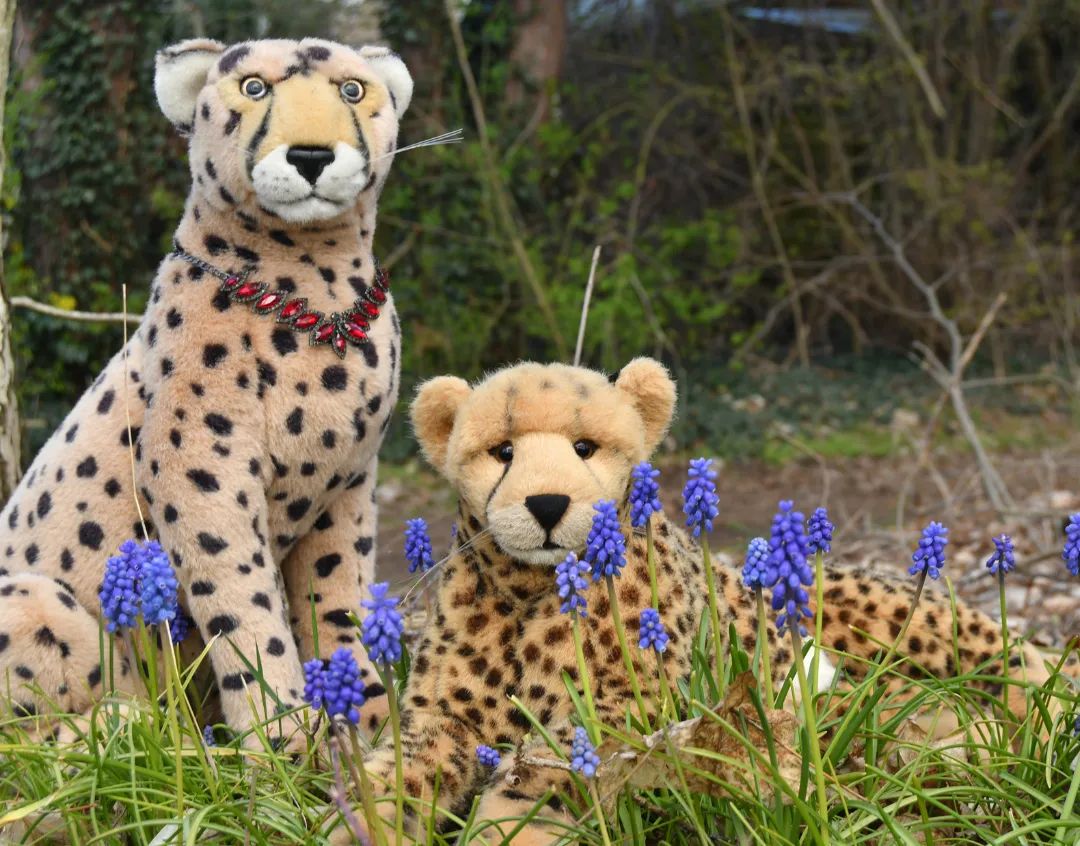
x=863, y=771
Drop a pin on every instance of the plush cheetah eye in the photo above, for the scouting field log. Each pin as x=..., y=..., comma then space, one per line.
x=352, y=91
x=585, y=448
x=504, y=452
x=254, y=88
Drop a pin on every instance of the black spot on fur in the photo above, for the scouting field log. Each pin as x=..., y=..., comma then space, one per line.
x=284, y=341
x=232, y=122
x=317, y=53
x=204, y=480
x=32, y=554
x=106, y=401
x=219, y=424
x=212, y=544
x=87, y=468
x=335, y=378
x=173, y=318
x=91, y=535
x=44, y=505
x=276, y=648
x=232, y=58
x=236, y=681
x=112, y=488
x=298, y=508
x=214, y=354
x=327, y=564
x=295, y=421
x=215, y=244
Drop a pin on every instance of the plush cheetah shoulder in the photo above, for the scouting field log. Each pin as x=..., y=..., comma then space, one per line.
x=240, y=425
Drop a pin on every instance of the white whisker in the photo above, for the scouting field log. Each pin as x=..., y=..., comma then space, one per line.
x=451, y=137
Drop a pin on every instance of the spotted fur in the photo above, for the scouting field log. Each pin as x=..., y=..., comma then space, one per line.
x=251, y=455
x=496, y=630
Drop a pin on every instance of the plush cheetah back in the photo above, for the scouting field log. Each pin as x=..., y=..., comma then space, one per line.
x=227, y=427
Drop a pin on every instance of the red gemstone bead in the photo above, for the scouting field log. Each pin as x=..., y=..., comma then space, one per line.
x=355, y=331
x=377, y=295
x=370, y=309
x=306, y=321
x=248, y=289
x=382, y=279
x=339, y=344
x=267, y=302
x=324, y=332
x=291, y=309
x=231, y=281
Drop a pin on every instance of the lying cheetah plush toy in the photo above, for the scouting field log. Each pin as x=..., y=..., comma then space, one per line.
x=252, y=400
x=530, y=450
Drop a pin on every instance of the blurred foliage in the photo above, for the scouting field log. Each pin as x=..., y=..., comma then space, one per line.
x=712, y=155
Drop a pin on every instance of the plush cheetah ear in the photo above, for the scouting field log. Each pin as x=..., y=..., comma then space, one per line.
x=180, y=74
x=652, y=391
x=392, y=71
x=433, y=413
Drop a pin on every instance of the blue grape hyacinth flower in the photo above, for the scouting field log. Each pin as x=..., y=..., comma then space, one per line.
x=789, y=549
x=583, y=757
x=487, y=756
x=418, y=545
x=820, y=531
x=1071, y=553
x=701, y=503
x=758, y=571
x=569, y=582
x=1003, y=559
x=382, y=627
x=159, y=585
x=180, y=627
x=605, y=548
x=119, y=594
x=652, y=634
x=644, y=494
x=343, y=690
x=929, y=557
x=314, y=682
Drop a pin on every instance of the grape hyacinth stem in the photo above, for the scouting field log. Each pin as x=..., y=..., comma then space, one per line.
x=650, y=563
x=628, y=660
x=763, y=648
x=583, y=677
x=819, y=596
x=810, y=717
x=386, y=675
x=595, y=794
x=363, y=784
x=1004, y=644
x=714, y=616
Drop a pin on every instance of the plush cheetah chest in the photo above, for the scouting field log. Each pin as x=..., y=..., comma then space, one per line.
x=325, y=419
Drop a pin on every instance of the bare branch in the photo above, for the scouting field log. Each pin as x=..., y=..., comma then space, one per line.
x=79, y=316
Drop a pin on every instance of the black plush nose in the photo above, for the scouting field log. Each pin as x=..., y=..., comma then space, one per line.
x=548, y=509
x=309, y=161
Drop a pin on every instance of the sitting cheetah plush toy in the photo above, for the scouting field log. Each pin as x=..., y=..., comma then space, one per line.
x=530, y=450
x=243, y=418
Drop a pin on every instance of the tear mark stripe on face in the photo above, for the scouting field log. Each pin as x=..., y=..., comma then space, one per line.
x=260, y=134
x=495, y=490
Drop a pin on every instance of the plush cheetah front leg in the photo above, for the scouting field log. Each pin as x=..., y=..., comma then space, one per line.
x=328, y=572
x=204, y=480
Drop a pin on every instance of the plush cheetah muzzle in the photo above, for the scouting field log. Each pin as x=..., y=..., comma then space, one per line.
x=533, y=447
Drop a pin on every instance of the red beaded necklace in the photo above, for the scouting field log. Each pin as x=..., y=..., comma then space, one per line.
x=338, y=329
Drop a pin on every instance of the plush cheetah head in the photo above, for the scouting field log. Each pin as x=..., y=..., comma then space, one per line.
x=532, y=447
x=296, y=129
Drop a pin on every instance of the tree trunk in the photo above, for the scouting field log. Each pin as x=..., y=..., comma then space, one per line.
x=9, y=409
x=538, y=54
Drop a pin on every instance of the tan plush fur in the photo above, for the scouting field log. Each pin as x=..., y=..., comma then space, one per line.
x=254, y=454
x=496, y=629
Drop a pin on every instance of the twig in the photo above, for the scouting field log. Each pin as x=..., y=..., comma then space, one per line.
x=910, y=56
x=585, y=306
x=82, y=316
